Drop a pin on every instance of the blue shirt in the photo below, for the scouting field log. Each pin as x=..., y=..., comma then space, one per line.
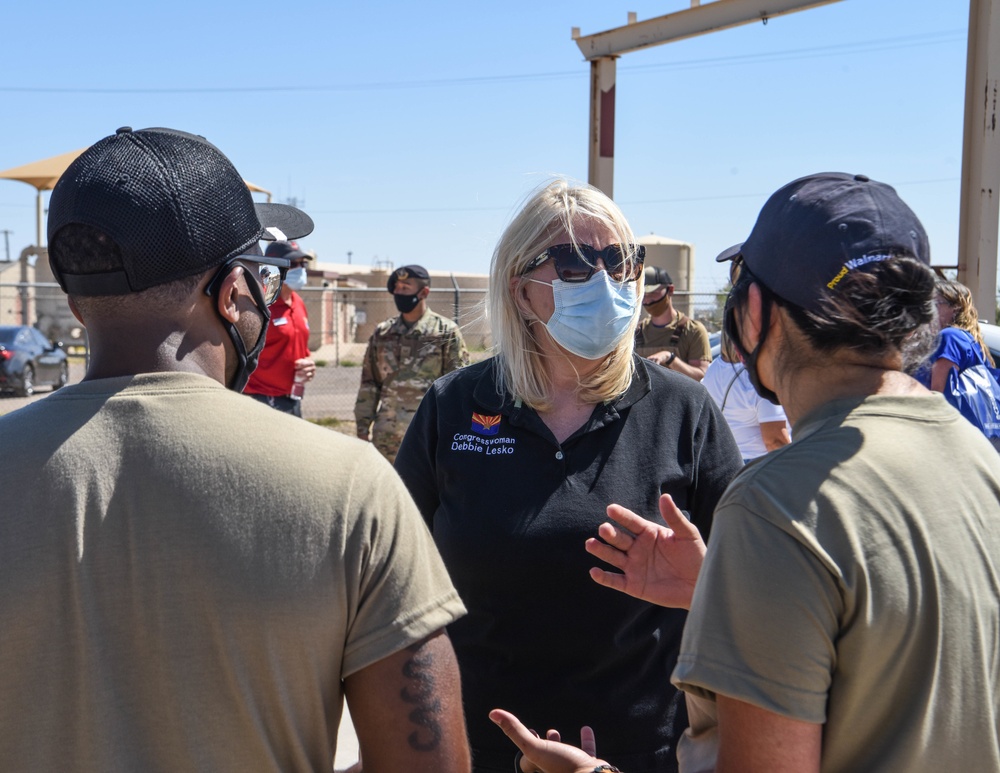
x=954, y=345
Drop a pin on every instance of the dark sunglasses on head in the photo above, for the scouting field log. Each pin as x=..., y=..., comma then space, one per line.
x=269, y=273
x=577, y=263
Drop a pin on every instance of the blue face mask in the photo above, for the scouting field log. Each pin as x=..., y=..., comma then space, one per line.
x=296, y=278
x=592, y=317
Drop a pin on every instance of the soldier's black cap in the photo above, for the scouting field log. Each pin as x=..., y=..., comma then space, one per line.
x=407, y=272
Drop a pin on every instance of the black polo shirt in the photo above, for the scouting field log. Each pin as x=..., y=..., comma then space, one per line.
x=510, y=509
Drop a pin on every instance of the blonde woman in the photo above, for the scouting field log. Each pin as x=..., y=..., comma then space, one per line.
x=512, y=462
x=960, y=343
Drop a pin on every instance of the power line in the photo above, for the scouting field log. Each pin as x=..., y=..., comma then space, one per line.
x=625, y=203
x=857, y=47
x=508, y=208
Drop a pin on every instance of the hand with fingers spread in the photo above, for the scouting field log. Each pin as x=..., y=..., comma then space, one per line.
x=659, y=564
x=549, y=755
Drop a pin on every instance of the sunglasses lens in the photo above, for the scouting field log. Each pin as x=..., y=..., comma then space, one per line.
x=614, y=264
x=270, y=280
x=618, y=268
x=578, y=264
x=570, y=267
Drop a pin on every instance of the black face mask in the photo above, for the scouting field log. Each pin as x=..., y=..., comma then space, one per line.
x=406, y=303
x=246, y=362
x=750, y=358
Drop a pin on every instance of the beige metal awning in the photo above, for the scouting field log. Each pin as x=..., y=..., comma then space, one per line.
x=43, y=176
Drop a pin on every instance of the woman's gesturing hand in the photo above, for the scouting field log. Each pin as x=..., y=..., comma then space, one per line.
x=659, y=564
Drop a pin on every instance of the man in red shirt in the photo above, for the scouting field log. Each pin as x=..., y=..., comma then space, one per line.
x=284, y=364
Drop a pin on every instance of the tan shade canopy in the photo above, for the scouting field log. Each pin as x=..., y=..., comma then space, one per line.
x=43, y=176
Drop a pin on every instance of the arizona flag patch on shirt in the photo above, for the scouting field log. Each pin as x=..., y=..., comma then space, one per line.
x=485, y=425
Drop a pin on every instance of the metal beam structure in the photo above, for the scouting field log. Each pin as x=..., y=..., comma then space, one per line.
x=980, y=203
x=697, y=20
x=979, y=218
x=601, y=162
x=601, y=49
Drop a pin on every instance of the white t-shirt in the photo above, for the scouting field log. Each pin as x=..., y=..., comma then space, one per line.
x=744, y=409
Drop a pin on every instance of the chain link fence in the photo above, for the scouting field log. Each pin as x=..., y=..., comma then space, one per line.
x=341, y=321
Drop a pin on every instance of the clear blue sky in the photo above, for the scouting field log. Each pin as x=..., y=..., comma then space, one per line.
x=411, y=130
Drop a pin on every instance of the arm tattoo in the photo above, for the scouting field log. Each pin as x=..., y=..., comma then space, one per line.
x=420, y=692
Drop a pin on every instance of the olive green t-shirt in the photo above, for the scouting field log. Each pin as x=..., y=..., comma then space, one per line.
x=684, y=336
x=853, y=579
x=187, y=576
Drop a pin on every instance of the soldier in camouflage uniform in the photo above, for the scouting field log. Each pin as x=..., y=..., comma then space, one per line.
x=405, y=355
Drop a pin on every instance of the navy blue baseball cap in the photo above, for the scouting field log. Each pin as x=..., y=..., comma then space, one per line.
x=812, y=232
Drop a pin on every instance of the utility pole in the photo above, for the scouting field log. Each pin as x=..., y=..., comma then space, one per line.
x=6, y=241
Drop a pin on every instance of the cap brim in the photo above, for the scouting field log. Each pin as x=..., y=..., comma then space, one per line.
x=730, y=253
x=292, y=223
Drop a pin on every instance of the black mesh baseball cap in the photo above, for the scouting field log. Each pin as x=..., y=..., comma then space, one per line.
x=815, y=230
x=171, y=201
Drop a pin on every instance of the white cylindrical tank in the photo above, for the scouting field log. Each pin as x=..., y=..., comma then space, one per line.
x=677, y=258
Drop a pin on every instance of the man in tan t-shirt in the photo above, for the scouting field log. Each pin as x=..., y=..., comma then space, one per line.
x=668, y=337
x=190, y=580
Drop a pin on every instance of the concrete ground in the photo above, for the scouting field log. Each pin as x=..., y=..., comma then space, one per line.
x=347, y=743
x=329, y=396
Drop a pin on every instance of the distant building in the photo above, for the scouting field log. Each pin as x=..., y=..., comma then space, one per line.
x=357, y=300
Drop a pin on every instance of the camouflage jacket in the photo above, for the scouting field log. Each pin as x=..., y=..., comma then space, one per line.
x=400, y=365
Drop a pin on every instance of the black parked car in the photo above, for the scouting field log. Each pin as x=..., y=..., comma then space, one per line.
x=28, y=360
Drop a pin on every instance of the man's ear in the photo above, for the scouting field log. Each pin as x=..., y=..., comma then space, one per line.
x=75, y=310
x=424, y=292
x=229, y=295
